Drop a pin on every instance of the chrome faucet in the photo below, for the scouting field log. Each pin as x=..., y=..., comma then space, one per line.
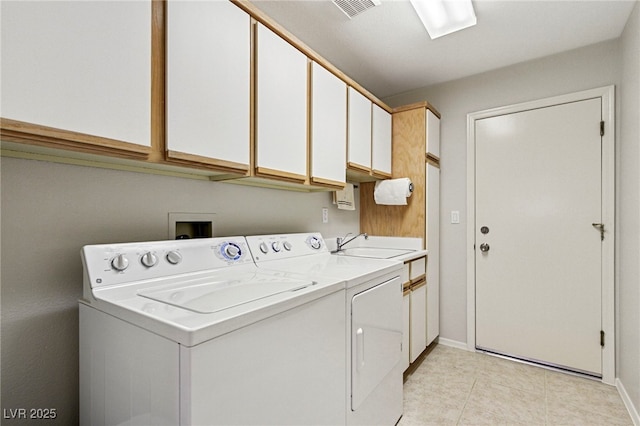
x=340, y=241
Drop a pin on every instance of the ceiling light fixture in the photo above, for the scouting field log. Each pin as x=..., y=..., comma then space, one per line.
x=442, y=17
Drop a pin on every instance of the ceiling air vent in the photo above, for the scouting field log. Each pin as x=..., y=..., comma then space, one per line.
x=352, y=8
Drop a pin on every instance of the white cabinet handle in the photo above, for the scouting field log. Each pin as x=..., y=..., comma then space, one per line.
x=360, y=347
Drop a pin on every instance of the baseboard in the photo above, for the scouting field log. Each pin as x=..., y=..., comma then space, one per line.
x=633, y=412
x=453, y=343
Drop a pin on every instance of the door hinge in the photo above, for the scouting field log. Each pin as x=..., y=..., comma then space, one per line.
x=602, y=128
x=599, y=227
x=602, y=338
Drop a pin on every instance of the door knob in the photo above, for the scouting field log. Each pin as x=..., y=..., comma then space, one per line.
x=484, y=247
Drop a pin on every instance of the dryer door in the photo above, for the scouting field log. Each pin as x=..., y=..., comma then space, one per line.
x=376, y=337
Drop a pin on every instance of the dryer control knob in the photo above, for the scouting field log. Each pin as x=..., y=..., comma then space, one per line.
x=120, y=262
x=287, y=245
x=314, y=243
x=264, y=247
x=149, y=259
x=173, y=257
x=275, y=246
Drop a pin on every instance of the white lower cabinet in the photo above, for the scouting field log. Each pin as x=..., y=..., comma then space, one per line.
x=418, y=332
x=414, y=340
x=406, y=324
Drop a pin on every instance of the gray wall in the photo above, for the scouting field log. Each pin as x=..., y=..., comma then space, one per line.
x=613, y=62
x=628, y=267
x=49, y=211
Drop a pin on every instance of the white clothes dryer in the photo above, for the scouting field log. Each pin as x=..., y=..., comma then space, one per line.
x=373, y=306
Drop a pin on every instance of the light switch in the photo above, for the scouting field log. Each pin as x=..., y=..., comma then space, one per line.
x=455, y=216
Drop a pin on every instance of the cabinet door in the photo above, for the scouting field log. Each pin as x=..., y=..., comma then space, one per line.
x=418, y=331
x=359, y=141
x=376, y=337
x=281, y=109
x=208, y=80
x=79, y=66
x=433, y=245
x=406, y=332
x=328, y=127
x=433, y=134
x=381, y=142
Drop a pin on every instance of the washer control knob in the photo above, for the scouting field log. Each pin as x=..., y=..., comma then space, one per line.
x=232, y=251
x=287, y=245
x=149, y=259
x=275, y=246
x=264, y=247
x=120, y=262
x=174, y=257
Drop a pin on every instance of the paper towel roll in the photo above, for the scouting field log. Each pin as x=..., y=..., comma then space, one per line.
x=393, y=192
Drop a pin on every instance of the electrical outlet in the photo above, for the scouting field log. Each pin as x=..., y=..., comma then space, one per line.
x=325, y=215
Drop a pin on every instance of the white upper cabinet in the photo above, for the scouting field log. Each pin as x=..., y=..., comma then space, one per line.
x=433, y=134
x=281, y=108
x=359, y=140
x=79, y=66
x=208, y=83
x=381, y=142
x=329, y=127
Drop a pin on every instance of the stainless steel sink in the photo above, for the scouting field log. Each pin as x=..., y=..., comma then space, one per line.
x=374, y=252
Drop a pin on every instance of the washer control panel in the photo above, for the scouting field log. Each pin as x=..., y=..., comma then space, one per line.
x=285, y=246
x=108, y=264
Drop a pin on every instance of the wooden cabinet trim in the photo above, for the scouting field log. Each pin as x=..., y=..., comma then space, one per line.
x=328, y=183
x=418, y=284
x=34, y=134
x=433, y=160
x=423, y=104
x=280, y=175
x=158, y=79
x=206, y=162
x=381, y=174
x=359, y=168
x=418, y=279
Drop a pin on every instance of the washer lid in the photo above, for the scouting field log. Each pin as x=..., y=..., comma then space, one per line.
x=209, y=295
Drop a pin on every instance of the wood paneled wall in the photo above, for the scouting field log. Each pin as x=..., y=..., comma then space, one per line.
x=409, y=148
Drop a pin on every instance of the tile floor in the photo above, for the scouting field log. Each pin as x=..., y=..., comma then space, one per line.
x=456, y=387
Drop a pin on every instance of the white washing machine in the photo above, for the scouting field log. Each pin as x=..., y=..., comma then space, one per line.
x=373, y=306
x=190, y=332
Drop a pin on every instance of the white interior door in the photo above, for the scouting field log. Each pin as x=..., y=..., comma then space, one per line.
x=538, y=192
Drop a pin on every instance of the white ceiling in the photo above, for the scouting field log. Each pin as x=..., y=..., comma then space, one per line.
x=387, y=50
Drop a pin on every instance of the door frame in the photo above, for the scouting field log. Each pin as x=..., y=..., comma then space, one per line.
x=607, y=95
